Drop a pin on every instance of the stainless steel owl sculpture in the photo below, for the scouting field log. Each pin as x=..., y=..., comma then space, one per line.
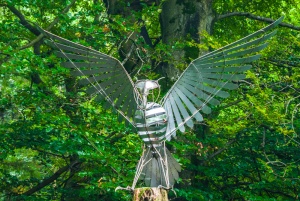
x=200, y=86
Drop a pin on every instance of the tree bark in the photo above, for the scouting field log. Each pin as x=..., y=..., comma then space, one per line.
x=150, y=194
x=184, y=20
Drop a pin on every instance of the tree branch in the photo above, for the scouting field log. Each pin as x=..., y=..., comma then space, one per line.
x=49, y=27
x=23, y=20
x=63, y=12
x=31, y=28
x=283, y=63
x=146, y=37
x=221, y=150
x=237, y=136
x=256, y=17
x=50, y=179
x=34, y=30
x=47, y=152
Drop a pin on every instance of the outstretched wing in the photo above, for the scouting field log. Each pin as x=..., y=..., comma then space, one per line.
x=208, y=77
x=100, y=74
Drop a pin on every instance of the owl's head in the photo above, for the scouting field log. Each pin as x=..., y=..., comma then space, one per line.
x=145, y=88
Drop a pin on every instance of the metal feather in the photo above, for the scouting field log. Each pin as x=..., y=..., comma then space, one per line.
x=148, y=171
x=79, y=57
x=176, y=113
x=198, y=103
x=154, y=173
x=207, y=89
x=182, y=109
x=200, y=94
x=173, y=161
x=188, y=104
x=171, y=122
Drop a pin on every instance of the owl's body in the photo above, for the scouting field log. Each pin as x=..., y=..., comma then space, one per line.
x=151, y=124
x=157, y=166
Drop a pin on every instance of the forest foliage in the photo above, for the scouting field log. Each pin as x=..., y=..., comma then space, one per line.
x=56, y=143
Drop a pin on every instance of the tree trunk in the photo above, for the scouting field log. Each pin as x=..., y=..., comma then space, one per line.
x=150, y=194
x=184, y=20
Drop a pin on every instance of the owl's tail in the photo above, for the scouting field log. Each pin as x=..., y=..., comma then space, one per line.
x=158, y=167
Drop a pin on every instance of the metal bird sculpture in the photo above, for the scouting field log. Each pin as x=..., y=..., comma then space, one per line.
x=206, y=79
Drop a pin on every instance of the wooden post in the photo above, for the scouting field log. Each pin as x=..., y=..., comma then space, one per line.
x=150, y=194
